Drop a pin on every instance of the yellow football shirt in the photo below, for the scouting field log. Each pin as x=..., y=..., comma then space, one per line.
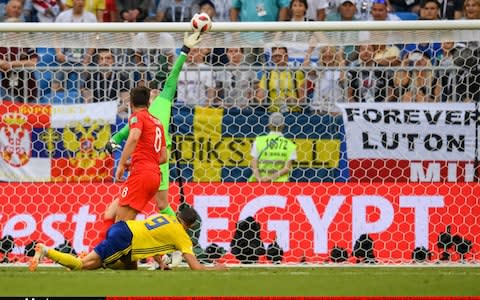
x=281, y=85
x=90, y=5
x=159, y=234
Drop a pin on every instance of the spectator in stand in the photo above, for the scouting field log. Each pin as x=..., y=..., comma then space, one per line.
x=208, y=7
x=430, y=10
x=415, y=85
x=106, y=84
x=47, y=10
x=127, y=57
x=130, y=57
x=346, y=12
x=77, y=56
x=222, y=8
x=285, y=88
x=367, y=83
x=132, y=11
x=159, y=60
x=298, y=11
x=217, y=56
x=468, y=84
x=18, y=12
x=123, y=111
x=317, y=9
x=362, y=7
x=196, y=85
x=176, y=10
x=387, y=57
x=329, y=84
x=17, y=84
x=471, y=9
x=296, y=42
x=96, y=7
x=446, y=75
x=13, y=11
x=379, y=12
x=258, y=11
x=465, y=82
x=58, y=95
x=472, y=12
x=451, y=9
x=110, y=14
x=235, y=88
x=29, y=14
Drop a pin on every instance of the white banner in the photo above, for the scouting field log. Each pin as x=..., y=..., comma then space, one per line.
x=35, y=170
x=63, y=115
x=410, y=131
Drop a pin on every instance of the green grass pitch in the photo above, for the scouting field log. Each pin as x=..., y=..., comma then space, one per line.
x=302, y=281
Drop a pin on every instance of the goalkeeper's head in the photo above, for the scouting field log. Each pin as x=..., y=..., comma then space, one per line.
x=187, y=216
x=139, y=97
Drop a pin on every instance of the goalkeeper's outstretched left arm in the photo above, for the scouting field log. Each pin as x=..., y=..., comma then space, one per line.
x=162, y=104
x=168, y=92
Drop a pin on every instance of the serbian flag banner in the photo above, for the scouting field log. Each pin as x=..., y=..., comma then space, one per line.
x=42, y=143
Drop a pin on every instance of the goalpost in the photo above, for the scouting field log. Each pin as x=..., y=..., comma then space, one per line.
x=384, y=118
x=113, y=34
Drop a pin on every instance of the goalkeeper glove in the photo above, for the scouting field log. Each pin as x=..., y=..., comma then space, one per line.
x=111, y=146
x=190, y=41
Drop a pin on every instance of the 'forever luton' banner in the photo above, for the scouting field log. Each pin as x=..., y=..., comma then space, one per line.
x=419, y=142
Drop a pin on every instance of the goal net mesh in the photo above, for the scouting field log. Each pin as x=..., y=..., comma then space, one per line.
x=384, y=123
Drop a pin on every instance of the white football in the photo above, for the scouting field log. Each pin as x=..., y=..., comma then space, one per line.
x=201, y=22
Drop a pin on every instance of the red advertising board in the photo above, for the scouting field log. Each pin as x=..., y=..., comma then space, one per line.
x=400, y=170
x=306, y=219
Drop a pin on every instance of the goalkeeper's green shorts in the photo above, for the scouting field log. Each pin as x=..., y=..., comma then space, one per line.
x=164, y=181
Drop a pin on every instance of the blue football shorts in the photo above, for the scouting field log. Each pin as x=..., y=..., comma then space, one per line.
x=118, y=243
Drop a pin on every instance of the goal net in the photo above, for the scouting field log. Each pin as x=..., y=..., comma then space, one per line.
x=383, y=117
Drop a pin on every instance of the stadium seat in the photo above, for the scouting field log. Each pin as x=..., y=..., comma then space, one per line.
x=407, y=16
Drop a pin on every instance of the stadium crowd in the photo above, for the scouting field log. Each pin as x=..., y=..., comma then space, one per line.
x=299, y=78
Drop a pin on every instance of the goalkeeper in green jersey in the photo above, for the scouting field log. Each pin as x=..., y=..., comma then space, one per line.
x=160, y=108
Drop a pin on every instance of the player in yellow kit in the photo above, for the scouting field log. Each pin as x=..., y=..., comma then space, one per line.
x=132, y=240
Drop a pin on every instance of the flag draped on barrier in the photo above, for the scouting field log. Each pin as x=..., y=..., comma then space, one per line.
x=55, y=143
x=215, y=144
x=411, y=142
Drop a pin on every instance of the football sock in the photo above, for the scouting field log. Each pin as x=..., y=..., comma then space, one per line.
x=65, y=259
x=105, y=226
x=168, y=211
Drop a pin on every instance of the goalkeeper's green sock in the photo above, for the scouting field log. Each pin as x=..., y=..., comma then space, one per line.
x=168, y=211
x=65, y=259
